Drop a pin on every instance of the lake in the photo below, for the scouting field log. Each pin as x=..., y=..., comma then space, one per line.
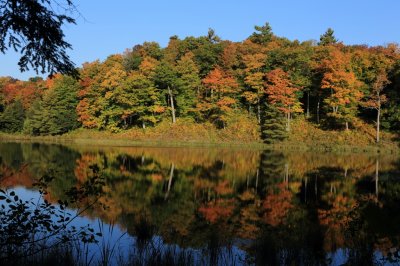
x=219, y=206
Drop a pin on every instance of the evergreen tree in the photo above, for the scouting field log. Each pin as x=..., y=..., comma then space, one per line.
x=56, y=112
x=62, y=105
x=273, y=125
x=36, y=121
x=327, y=38
x=12, y=119
x=262, y=35
x=2, y=103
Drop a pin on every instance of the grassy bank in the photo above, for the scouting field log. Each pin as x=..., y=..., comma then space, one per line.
x=304, y=136
x=360, y=138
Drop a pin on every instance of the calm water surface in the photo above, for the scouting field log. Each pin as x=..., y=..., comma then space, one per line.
x=227, y=206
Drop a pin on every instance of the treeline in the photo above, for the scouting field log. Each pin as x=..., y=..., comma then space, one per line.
x=209, y=80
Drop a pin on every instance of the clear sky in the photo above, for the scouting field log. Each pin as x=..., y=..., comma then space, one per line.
x=109, y=27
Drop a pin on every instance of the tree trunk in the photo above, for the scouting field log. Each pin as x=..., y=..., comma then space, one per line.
x=258, y=173
x=171, y=97
x=376, y=178
x=316, y=186
x=287, y=122
x=171, y=174
x=318, y=112
x=258, y=111
x=308, y=104
x=305, y=190
x=347, y=126
x=378, y=121
x=286, y=178
x=335, y=109
x=143, y=125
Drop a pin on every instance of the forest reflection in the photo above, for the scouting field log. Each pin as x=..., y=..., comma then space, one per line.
x=276, y=207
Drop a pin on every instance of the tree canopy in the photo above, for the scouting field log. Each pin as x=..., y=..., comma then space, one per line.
x=265, y=83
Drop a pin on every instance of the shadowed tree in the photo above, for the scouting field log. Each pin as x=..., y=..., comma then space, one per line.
x=273, y=127
x=12, y=119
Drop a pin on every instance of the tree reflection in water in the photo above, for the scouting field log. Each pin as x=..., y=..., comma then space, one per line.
x=221, y=206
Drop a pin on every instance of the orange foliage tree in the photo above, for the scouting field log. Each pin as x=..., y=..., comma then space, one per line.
x=278, y=205
x=282, y=94
x=86, y=108
x=26, y=91
x=344, y=87
x=219, y=96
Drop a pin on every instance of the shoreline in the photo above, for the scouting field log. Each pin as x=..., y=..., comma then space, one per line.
x=116, y=141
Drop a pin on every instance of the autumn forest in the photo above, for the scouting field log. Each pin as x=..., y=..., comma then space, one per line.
x=265, y=83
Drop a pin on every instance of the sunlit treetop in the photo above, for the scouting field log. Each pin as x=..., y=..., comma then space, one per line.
x=327, y=38
x=262, y=35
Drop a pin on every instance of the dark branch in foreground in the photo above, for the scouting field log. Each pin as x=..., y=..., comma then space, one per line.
x=33, y=28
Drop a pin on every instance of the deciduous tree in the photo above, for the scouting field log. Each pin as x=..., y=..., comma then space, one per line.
x=282, y=94
x=218, y=97
x=377, y=98
x=344, y=87
x=255, y=80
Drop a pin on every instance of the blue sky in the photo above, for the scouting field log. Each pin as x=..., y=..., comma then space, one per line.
x=109, y=27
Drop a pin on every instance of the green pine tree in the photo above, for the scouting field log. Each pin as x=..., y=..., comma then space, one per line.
x=12, y=119
x=273, y=125
x=56, y=112
x=62, y=105
x=34, y=123
x=262, y=35
x=327, y=38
